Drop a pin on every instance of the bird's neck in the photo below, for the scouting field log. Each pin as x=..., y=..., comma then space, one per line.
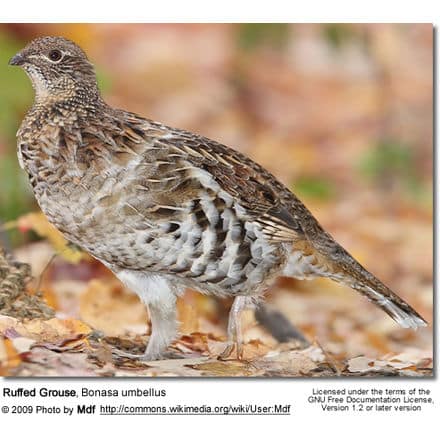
x=74, y=105
x=69, y=97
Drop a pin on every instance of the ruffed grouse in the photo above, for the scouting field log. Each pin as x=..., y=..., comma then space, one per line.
x=166, y=209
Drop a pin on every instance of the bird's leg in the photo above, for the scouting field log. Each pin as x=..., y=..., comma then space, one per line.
x=160, y=298
x=235, y=338
x=163, y=318
x=163, y=331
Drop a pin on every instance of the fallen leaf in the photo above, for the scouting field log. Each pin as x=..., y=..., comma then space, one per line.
x=188, y=317
x=51, y=330
x=109, y=307
x=22, y=344
x=11, y=356
x=228, y=368
x=38, y=222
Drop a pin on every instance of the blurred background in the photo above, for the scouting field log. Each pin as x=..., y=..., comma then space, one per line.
x=340, y=113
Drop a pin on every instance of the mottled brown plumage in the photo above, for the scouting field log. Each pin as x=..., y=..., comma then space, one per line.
x=166, y=209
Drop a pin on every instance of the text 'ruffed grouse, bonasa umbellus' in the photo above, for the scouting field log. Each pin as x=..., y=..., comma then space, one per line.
x=166, y=209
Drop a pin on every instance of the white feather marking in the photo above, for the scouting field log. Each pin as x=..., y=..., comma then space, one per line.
x=209, y=209
x=405, y=319
x=299, y=266
x=20, y=156
x=208, y=241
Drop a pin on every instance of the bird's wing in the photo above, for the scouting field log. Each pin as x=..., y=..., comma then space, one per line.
x=262, y=197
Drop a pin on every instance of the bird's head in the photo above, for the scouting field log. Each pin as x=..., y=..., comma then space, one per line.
x=58, y=69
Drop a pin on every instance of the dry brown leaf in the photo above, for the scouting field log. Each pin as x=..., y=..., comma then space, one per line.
x=188, y=317
x=74, y=344
x=360, y=364
x=292, y=362
x=109, y=307
x=364, y=364
x=57, y=364
x=22, y=344
x=9, y=355
x=228, y=368
x=194, y=342
x=38, y=222
x=52, y=330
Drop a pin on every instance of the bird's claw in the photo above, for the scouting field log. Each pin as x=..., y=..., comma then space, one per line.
x=229, y=349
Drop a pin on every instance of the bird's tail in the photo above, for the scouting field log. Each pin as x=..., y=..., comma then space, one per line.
x=376, y=292
x=321, y=256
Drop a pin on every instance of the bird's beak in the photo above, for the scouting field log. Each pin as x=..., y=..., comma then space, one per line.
x=17, y=60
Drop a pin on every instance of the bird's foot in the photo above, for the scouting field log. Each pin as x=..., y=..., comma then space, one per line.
x=229, y=349
x=148, y=357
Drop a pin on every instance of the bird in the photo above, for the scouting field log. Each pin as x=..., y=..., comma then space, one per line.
x=166, y=209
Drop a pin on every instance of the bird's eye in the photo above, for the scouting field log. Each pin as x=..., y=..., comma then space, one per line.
x=55, y=55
